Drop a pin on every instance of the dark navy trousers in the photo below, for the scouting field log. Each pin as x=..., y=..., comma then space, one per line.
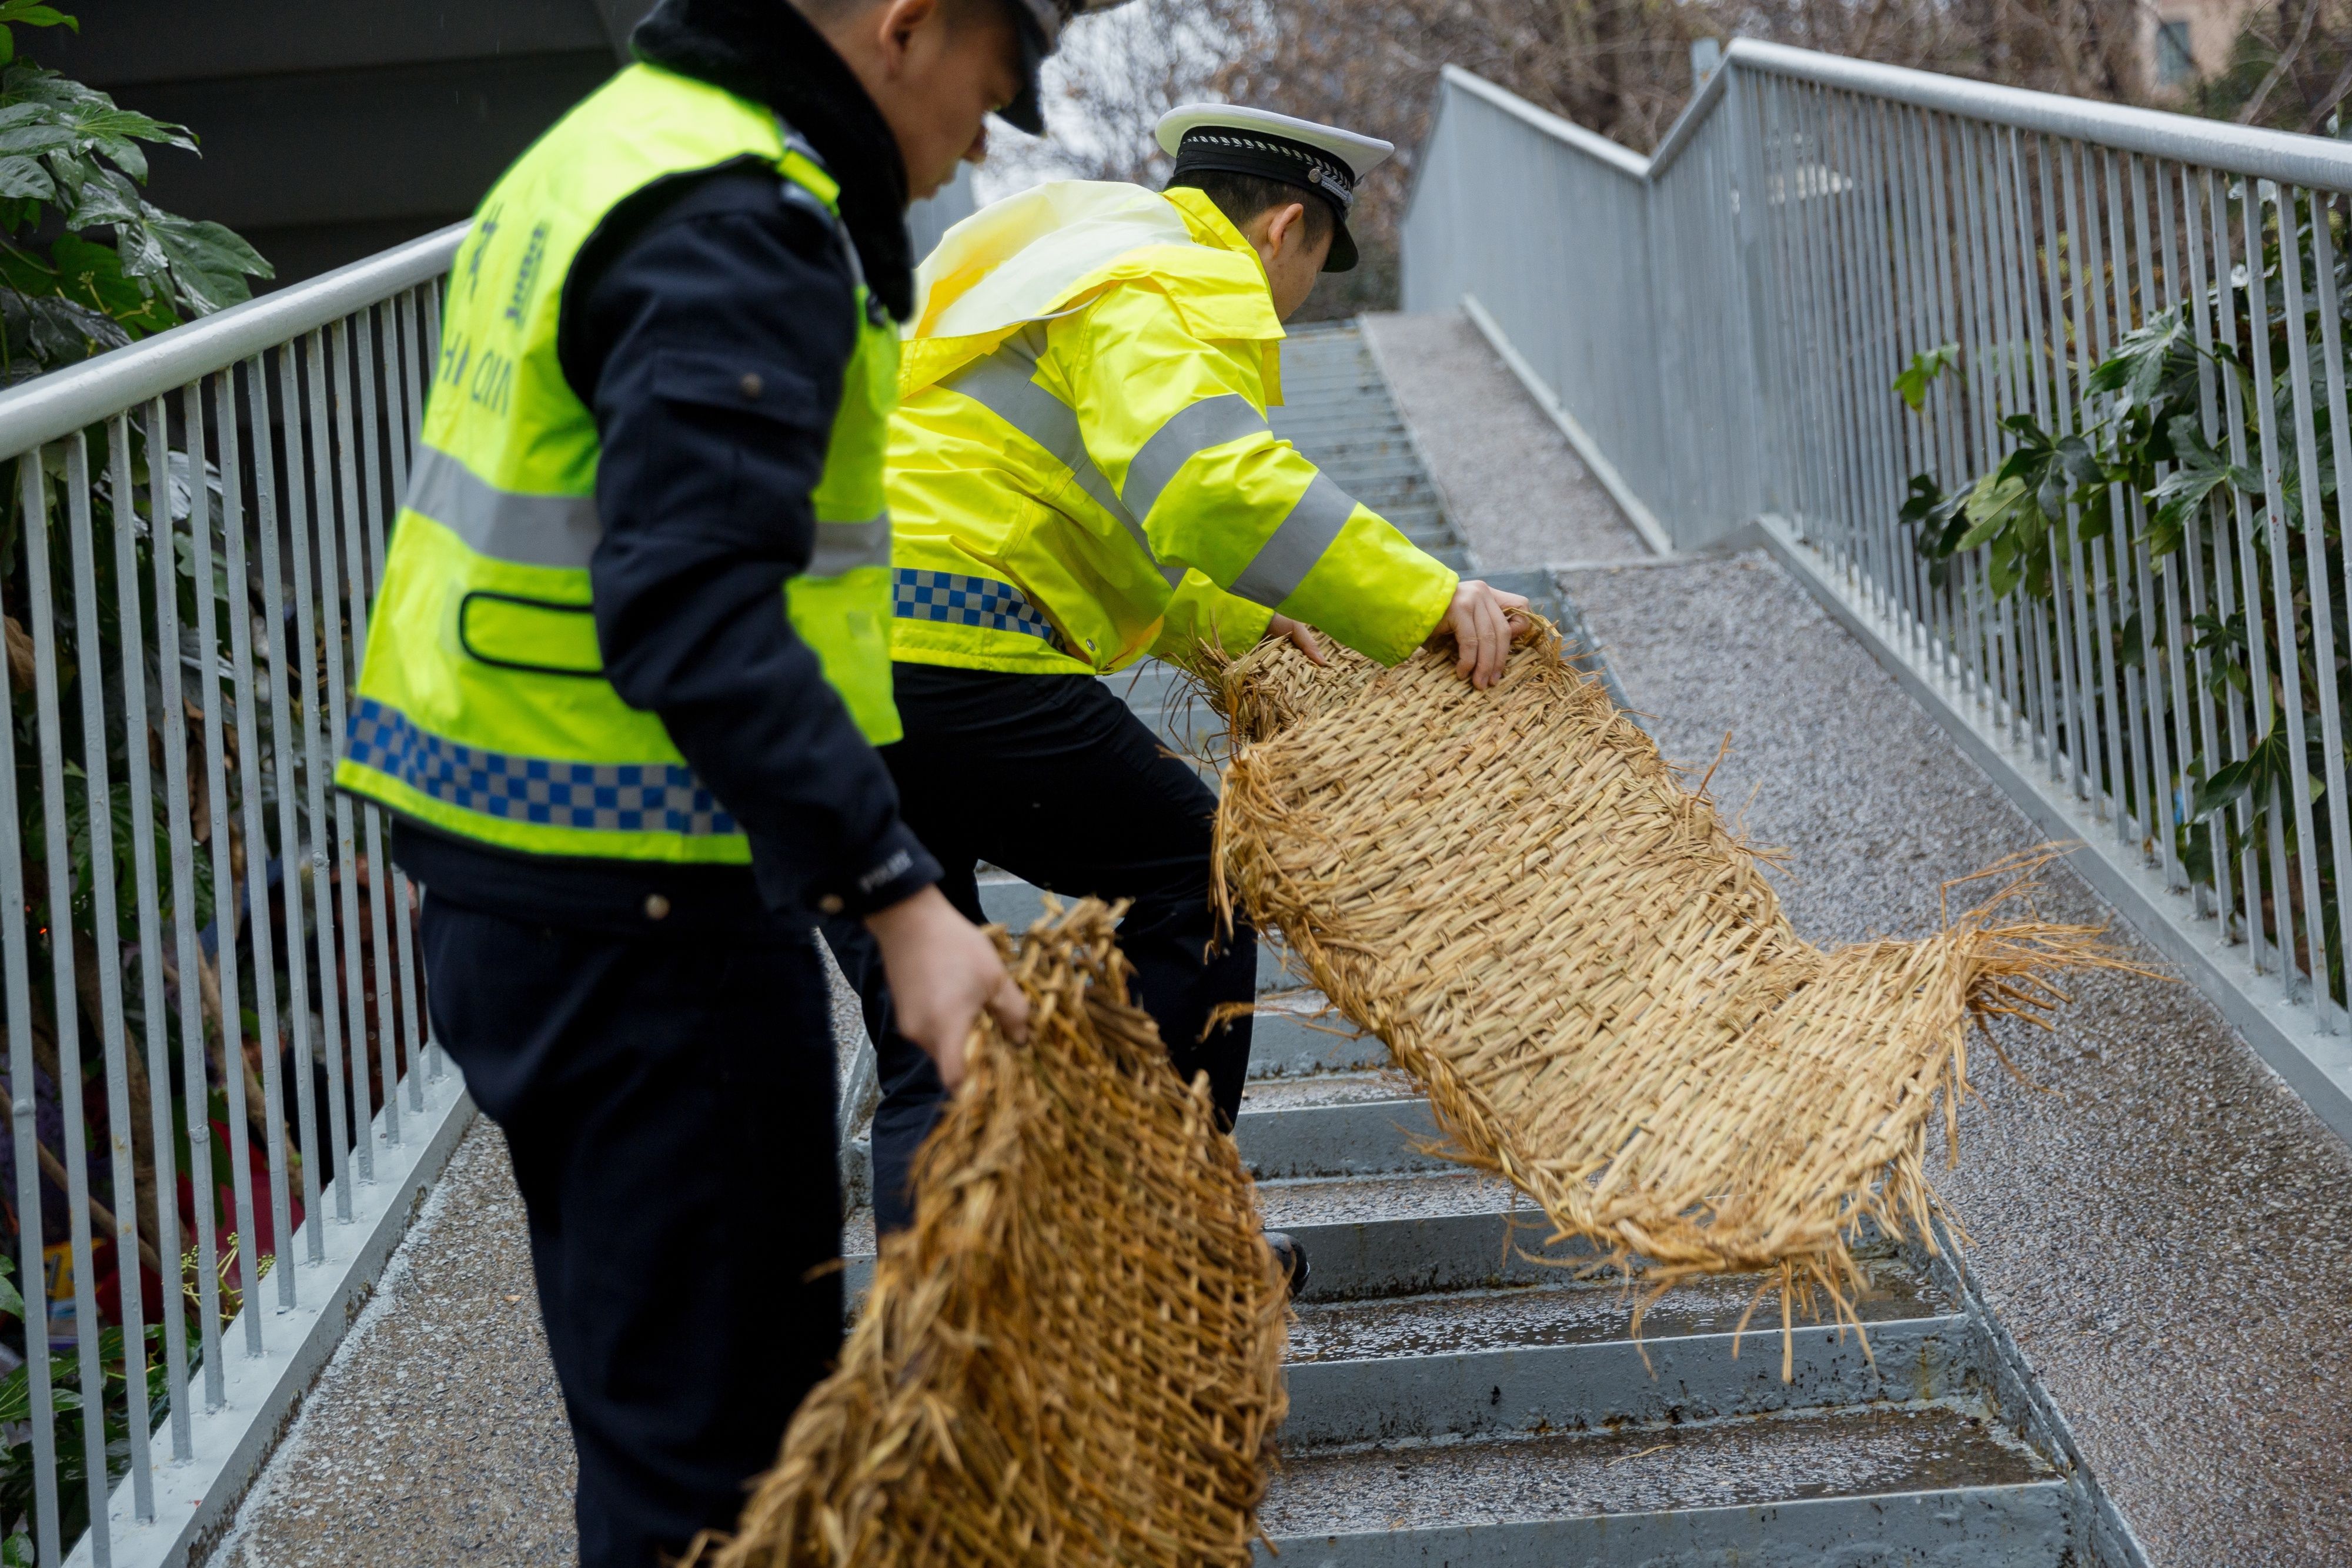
x=668, y=1104
x=1055, y=779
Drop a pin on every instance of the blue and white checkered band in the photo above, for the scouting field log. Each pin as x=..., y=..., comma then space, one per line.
x=620, y=798
x=968, y=602
x=1268, y=157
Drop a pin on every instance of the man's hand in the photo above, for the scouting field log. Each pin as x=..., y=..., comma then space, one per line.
x=1301, y=636
x=942, y=971
x=1480, y=622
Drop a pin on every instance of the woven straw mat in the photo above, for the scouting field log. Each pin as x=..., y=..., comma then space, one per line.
x=1075, y=1356
x=1590, y=975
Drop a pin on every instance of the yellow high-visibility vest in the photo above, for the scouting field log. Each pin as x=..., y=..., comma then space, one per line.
x=482, y=709
x=1081, y=471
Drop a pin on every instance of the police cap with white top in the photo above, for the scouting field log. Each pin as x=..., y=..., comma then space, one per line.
x=1230, y=138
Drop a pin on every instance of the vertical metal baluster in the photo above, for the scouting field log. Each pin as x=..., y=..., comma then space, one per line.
x=342, y=594
x=321, y=628
x=2043, y=730
x=2014, y=234
x=363, y=527
x=256, y=768
x=23, y=1081
x=1800, y=281
x=2196, y=234
x=2007, y=384
x=238, y=605
x=1920, y=244
x=2242, y=587
x=1985, y=187
x=2182, y=745
x=164, y=562
x=2258, y=316
x=2080, y=250
x=2331, y=347
x=1801, y=278
x=416, y=350
x=2123, y=701
x=1951, y=417
x=296, y=847
x=1884, y=308
x=1819, y=312
x=1911, y=305
x=55, y=833
x=230, y=1024
x=1984, y=395
x=98, y=782
x=2063, y=726
x=1846, y=273
x=422, y=1062
x=2156, y=752
x=2104, y=602
x=2314, y=531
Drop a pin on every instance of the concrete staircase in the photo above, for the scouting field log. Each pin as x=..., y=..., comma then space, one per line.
x=1459, y=1395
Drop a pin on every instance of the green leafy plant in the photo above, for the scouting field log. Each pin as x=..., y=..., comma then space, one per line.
x=2149, y=457
x=72, y=160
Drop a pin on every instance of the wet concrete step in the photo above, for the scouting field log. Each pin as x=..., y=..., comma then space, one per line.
x=1920, y=1485
x=1329, y=1125
x=1562, y=1357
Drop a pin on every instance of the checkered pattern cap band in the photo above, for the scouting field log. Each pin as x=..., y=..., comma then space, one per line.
x=1235, y=150
x=620, y=798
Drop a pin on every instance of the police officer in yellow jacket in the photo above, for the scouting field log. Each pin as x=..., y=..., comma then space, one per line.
x=622, y=685
x=1082, y=474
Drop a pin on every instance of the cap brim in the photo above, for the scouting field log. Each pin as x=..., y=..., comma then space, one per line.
x=1343, y=249
x=1025, y=113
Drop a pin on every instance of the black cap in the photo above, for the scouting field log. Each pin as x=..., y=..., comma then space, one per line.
x=1025, y=112
x=1236, y=150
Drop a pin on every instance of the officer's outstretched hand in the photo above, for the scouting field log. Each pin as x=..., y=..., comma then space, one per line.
x=1479, y=621
x=1299, y=635
x=942, y=971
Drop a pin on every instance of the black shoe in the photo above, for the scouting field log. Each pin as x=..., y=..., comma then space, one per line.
x=1292, y=1255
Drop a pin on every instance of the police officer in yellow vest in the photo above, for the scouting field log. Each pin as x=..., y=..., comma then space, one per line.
x=622, y=686
x=1081, y=475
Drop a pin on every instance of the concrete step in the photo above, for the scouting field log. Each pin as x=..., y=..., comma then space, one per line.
x=1329, y=1125
x=1924, y=1484
x=1559, y=1358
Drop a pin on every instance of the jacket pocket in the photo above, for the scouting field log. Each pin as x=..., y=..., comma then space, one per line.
x=537, y=636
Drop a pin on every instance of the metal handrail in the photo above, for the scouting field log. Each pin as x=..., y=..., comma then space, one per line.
x=57, y=404
x=2217, y=144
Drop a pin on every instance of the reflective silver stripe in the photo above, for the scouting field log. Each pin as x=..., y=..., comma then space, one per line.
x=1291, y=551
x=1001, y=383
x=845, y=547
x=530, y=530
x=1189, y=431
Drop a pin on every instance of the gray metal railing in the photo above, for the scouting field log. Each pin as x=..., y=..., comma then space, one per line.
x=220, y=1078
x=1720, y=328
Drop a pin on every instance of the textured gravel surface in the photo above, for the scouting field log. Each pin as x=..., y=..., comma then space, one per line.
x=1513, y=485
x=2167, y=1231
x=437, y=1434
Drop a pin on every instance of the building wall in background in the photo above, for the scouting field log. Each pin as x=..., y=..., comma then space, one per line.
x=334, y=128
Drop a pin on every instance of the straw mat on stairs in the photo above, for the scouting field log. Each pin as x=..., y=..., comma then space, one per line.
x=1075, y=1356
x=1589, y=972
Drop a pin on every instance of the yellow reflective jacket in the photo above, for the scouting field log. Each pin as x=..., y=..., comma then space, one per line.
x=1080, y=468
